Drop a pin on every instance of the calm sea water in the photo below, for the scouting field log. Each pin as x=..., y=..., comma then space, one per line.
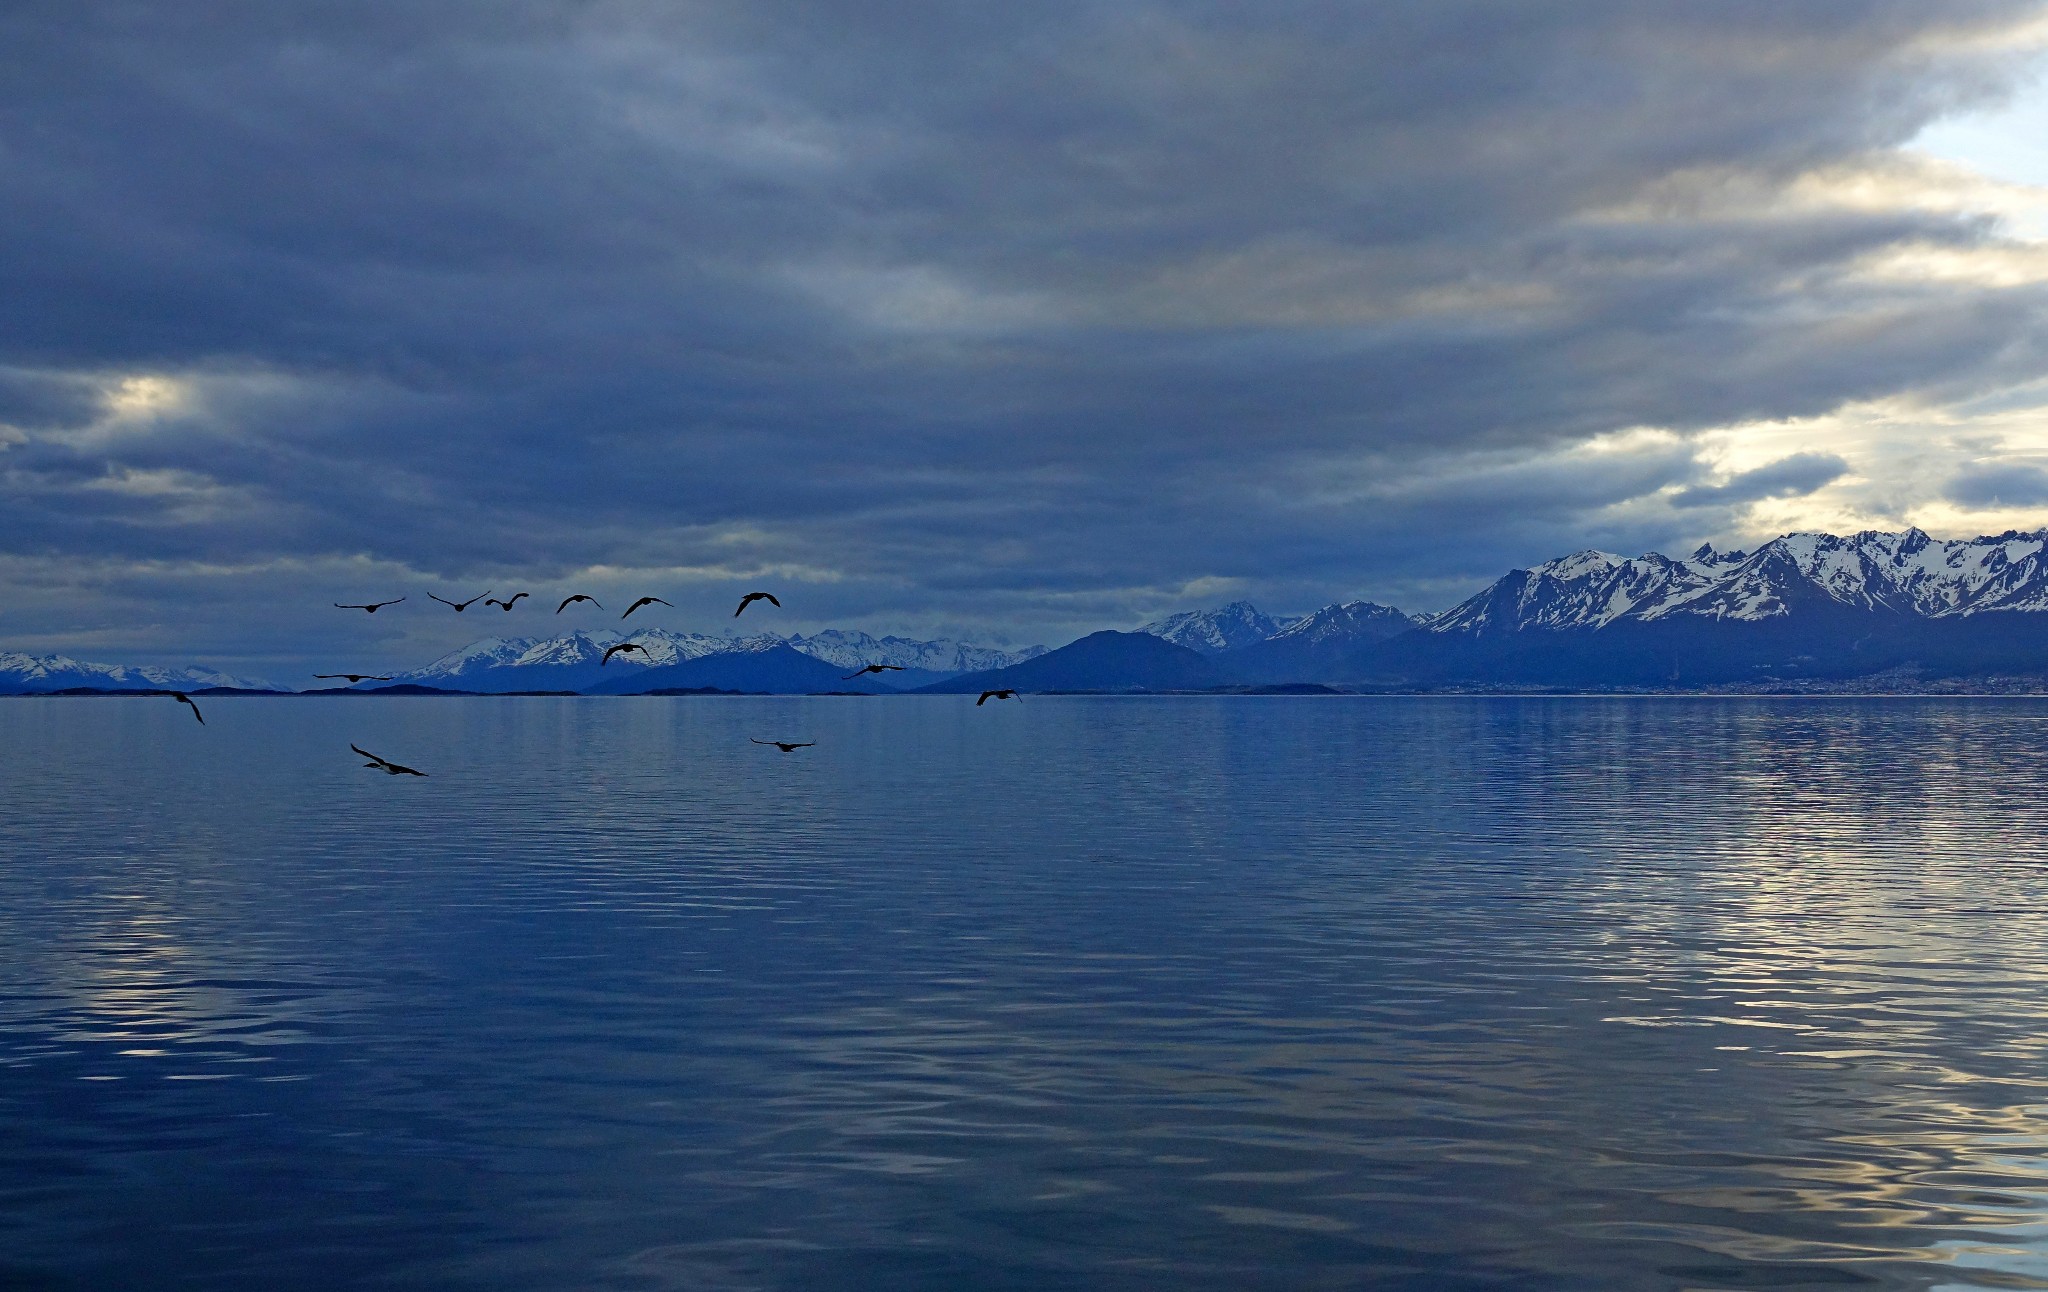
x=1068, y=993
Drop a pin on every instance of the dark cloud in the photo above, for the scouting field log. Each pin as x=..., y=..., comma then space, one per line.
x=1990, y=484
x=1788, y=477
x=1028, y=315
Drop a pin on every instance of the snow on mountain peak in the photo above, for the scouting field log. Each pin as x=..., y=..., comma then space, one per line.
x=1348, y=621
x=1906, y=573
x=1579, y=564
x=1213, y=631
x=854, y=649
x=660, y=646
x=21, y=672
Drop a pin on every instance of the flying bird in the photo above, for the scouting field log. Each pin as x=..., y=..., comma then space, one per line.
x=646, y=601
x=610, y=651
x=186, y=700
x=752, y=597
x=373, y=607
x=1007, y=693
x=569, y=601
x=460, y=606
x=506, y=605
x=785, y=745
x=385, y=764
x=353, y=678
x=873, y=668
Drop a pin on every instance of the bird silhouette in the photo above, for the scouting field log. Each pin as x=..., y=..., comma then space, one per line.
x=785, y=745
x=460, y=606
x=873, y=668
x=385, y=764
x=622, y=647
x=506, y=605
x=373, y=607
x=1007, y=693
x=569, y=601
x=186, y=700
x=645, y=601
x=752, y=597
x=352, y=677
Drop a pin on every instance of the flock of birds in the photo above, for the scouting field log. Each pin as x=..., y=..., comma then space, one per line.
x=485, y=596
x=388, y=767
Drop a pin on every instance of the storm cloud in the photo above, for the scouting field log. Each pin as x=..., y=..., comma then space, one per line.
x=1801, y=473
x=1004, y=320
x=1991, y=484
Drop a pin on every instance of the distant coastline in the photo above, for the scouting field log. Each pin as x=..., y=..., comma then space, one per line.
x=1848, y=688
x=1805, y=614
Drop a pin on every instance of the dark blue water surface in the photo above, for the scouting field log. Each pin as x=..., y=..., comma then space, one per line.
x=1069, y=993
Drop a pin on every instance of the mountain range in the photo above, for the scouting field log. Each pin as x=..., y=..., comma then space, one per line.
x=1211, y=632
x=1800, y=610
x=1802, y=606
x=575, y=662
x=29, y=674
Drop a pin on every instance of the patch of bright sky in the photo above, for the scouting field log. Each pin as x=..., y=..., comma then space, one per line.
x=2008, y=142
x=1902, y=453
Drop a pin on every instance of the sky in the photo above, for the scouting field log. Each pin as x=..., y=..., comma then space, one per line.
x=999, y=322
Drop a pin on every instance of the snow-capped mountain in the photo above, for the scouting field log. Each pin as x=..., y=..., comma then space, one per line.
x=21, y=673
x=1801, y=607
x=581, y=647
x=857, y=650
x=1314, y=647
x=1907, y=574
x=567, y=663
x=573, y=662
x=1352, y=621
x=1211, y=632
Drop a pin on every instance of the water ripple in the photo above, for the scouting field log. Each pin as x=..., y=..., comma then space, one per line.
x=1427, y=993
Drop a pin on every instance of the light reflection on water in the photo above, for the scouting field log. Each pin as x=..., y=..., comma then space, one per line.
x=1290, y=993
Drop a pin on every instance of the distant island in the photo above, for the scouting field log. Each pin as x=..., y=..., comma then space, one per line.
x=1805, y=613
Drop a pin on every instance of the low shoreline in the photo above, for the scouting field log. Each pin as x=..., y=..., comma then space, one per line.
x=1988, y=689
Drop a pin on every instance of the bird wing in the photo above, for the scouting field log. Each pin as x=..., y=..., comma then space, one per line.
x=805, y=745
x=515, y=597
x=374, y=760
x=443, y=600
x=984, y=699
x=327, y=677
x=761, y=742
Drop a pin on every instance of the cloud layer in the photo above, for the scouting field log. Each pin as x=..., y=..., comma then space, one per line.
x=1003, y=321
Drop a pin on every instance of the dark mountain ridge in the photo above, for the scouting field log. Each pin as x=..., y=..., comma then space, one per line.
x=1104, y=661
